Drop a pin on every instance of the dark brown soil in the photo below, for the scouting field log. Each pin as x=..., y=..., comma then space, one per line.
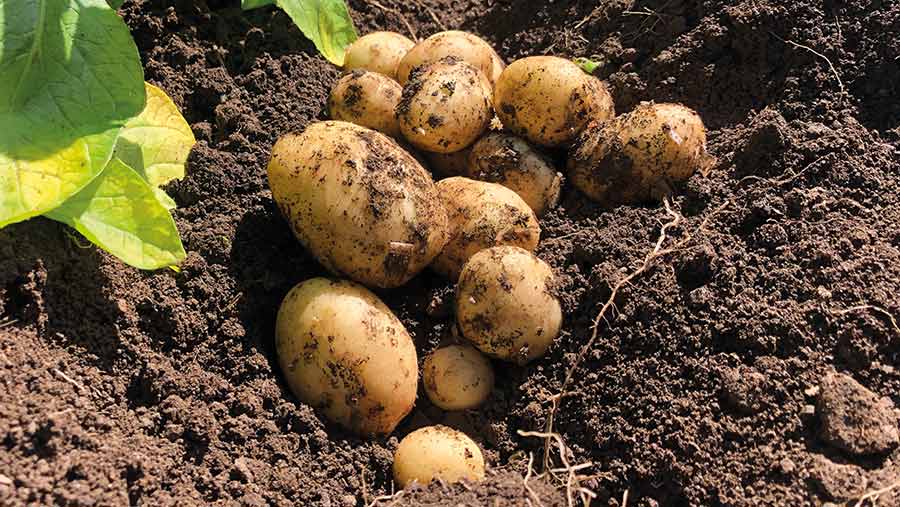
x=711, y=382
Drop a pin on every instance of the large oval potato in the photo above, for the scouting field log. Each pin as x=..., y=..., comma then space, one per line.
x=437, y=452
x=358, y=202
x=549, y=100
x=510, y=161
x=640, y=155
x=457, y=377
x=378, y=52
x=445, y=106
x=504, y=305
x=463, y=45
x=344, y=352
x=367, y=99
x=482, y=215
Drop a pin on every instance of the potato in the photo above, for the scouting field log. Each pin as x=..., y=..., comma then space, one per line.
x=446, y=165
x=549, y=100
x=510, y=161
x=463, y=45
x=379, y=52
x=367, y=99
x=445, y=106
x=640, y=155
x=344, y=352
x=504, y=305
x=437, y=452
x=358, y=202
x=457, y=377
x=482, y=215
x=497, y=66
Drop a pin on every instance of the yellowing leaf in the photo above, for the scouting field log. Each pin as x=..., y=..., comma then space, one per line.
x=157, y=142
x=122, y=214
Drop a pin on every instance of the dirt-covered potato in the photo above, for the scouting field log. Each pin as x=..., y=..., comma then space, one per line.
x=457, y=377
x=510, y=161
x=482, y=215
x=445, y=106
x=358, y=202
x=437, y=452
x=549, y=100
x=463, y=45
x=497, y=66
x=342, y=351
x=368, y=99
x=378, y=52
x=445, y=165
x=640, y=155
x=504, y=304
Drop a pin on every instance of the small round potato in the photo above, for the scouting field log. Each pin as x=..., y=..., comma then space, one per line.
x=510, y=161
x=378, y=52
x=638, y=156
x=445, y=106
x=504, y=305
x=344, y=352
x=358, y=202
x=445, y=165
x=549, y=100
x=457, y=377
x=437, y=452
x=463, y=45
x=367, y=99
x=482, y=215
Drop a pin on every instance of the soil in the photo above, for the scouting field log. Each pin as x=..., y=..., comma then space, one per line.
x=708, y=383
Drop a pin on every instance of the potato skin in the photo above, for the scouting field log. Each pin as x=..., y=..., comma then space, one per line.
x=497, y=66
x=379, y=52
x=463, y=45
x=436, y=452
x=549, y=100
x=445, y=165
x=482, y=215
x=358, y=202
x=445, y=106
x=343, y=351
x=510, y=161
x=367, y=99
x=457, y=377
x=504, y=305
x=638, y=156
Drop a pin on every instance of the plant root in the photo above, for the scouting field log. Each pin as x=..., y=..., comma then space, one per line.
x=572, y=479
x=872, y=496
x=412, y=31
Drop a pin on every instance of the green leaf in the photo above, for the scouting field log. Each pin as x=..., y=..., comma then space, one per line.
x=589, y=65
x=157, y=142
x=253, y=4
x=70, y=77
x=325, y=22
x=115, y=4
x=121, y=213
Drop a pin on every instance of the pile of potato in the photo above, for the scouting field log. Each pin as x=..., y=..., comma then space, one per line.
x=358, y=196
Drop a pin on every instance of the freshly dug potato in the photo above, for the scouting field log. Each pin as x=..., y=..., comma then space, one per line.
x=463, y=45
x=504, y=305
x=497, y=66
x=549, y=100
x=510, y=161
x=378, y=52
x=482, y=215
x=457, y=377
x=445, y=106
x=358, y=202
x=640, y=155
x=446, y=165
x=436, y=452
x=344, y=352
x=367, y=99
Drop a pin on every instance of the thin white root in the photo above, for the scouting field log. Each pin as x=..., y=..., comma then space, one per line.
x=872, y=496
x=572, y=479
x=400, y=15
x=876, y=309
x=820, y=55
x=68, y=379
x=528, y=474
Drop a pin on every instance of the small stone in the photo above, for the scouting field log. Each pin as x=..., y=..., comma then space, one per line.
x=854, y=418
x=744, y=389
x=838, y=482
x=787, y=466
x=348, y=501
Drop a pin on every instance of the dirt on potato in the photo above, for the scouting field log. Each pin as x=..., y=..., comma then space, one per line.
x=757, y=365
